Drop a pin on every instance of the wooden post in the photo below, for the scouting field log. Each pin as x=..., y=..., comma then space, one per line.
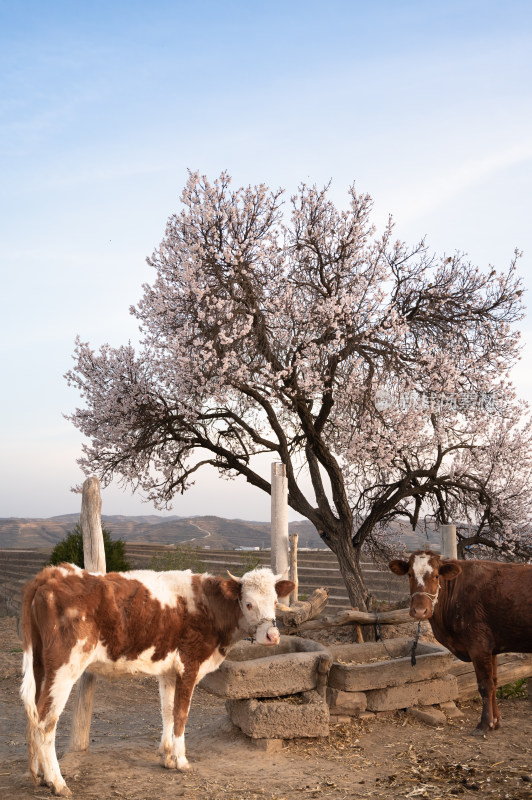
x=448, y=541
x=322, y=674
x=279, y=521
x=94, y=556
x=358, y=636
x=293, y=567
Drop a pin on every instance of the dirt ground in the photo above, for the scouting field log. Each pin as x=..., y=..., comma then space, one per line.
x=385, y=757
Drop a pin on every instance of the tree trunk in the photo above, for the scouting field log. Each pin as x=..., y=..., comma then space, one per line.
x=349, y=562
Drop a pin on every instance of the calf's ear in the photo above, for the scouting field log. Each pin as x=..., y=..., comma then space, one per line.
x=283, y=588
x=399, y=567
x=449, y=570
x=230, y=588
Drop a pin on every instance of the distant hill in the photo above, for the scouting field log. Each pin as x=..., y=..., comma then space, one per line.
x=207, y=531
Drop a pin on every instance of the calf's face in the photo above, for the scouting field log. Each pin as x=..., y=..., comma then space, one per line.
x=259, y=590
x=425, y=570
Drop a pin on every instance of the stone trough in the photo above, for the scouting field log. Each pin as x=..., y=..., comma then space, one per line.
x=276, y=693
x=381, y=678
x=253, y=674
x=254, y=670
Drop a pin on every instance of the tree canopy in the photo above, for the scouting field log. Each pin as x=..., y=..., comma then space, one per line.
x=298, y=331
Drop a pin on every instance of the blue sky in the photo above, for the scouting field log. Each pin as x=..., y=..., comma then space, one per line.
x=104, y=106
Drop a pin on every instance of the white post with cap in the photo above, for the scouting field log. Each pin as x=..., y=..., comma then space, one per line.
x=448, y=541
x=279, y=520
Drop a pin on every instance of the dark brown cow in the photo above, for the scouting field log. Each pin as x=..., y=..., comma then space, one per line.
x=175, y=625
x=476, y=609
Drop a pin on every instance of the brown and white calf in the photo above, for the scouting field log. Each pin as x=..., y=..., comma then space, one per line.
x=175, y=625
x=476, y=609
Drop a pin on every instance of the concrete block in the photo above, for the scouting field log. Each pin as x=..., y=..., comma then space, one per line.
x=350, y=703
x=451, y=710
x=363, y=667
x=429, y=716
x=304, y=716
x=252, y=670
x=268, y=745
x=424, y=693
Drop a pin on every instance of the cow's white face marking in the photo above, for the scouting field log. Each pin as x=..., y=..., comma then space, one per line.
x=421, y=569
x=166, y=587
x=258, y=600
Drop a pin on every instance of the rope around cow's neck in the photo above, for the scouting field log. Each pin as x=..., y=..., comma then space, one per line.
x=251, y=637
x=433, y=598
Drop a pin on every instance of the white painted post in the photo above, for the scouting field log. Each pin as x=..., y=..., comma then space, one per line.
x=94, y=557
x=279, y=520
x=448, y=541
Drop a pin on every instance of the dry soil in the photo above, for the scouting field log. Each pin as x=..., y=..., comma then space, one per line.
x=386, y=757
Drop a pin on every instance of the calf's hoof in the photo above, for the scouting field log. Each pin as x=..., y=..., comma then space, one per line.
x=167, y=761
x=171, y=762
x=62, y=791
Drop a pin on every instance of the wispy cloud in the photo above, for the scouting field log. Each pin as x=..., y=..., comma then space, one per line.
x=439, y=187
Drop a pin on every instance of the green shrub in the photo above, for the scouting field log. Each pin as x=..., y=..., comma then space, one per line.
x=182, y=556
x=512, y=690
x=70, y=549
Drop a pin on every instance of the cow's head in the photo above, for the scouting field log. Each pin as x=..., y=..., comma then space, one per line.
x=257, y=592
x=425, y=569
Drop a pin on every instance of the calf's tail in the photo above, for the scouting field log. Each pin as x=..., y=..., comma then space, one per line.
x=31, y=661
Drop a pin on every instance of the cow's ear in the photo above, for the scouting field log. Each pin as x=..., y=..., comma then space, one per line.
x=449, y=570
x=284, y=588
x=399, y=567
x=230, y=588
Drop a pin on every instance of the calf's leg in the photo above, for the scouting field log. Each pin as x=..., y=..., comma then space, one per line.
x=49, y=706
x=167, y=693
x=55, y=693
x=184, y=686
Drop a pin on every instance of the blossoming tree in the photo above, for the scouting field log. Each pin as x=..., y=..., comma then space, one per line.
x=300, y=333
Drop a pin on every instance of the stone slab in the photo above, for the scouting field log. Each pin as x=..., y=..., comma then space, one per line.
x=281, y=719
x=269, y=745
x=451, y=710
x=429, y=716
x=350, y=703
x=424, y=693
x=252, y=670
x=363, y=667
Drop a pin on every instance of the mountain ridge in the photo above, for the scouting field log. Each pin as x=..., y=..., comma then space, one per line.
x=204, y=531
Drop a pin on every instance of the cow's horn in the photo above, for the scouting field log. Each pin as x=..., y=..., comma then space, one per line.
x=284, y=575
x=238, y=580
